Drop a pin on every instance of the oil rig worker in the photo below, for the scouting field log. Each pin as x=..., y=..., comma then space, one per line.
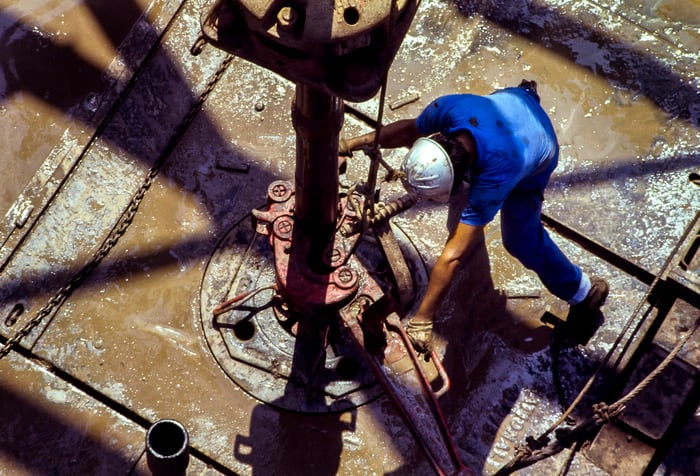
x=511, y=150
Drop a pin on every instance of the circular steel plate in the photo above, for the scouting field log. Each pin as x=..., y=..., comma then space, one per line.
x=273, y=355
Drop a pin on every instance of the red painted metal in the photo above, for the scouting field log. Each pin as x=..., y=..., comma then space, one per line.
x=305, y=285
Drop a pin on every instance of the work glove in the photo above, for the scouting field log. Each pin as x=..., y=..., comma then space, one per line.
x=420, y=333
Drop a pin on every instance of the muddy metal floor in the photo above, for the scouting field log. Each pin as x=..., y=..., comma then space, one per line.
x=92, y=93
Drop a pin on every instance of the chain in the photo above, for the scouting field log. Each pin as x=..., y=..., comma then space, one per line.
x=125, y=219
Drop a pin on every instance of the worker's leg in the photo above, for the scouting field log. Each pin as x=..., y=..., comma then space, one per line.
x=525, y=238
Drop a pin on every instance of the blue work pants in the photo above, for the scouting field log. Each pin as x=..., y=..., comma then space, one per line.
x=525, y=238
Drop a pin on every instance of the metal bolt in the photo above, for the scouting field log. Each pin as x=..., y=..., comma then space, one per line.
x=345, y=275
x=286, y=17
x=284, y=227
x=334, y=255
x=278, y=190
x=345, y=278
x=14, y=314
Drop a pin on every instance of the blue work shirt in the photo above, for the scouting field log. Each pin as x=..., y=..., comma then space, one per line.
x=514, y=140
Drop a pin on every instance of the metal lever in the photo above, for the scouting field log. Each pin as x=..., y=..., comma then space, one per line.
x=376, y=327
x=442, y=373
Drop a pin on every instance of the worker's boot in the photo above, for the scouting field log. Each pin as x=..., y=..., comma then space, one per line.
x=585, y=318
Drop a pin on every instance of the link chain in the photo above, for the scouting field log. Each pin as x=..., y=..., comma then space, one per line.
x=124, y=220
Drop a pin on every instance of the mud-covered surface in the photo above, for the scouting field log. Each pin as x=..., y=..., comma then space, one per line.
x=91, y=100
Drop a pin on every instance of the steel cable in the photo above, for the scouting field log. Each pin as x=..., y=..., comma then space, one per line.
x=525, y=454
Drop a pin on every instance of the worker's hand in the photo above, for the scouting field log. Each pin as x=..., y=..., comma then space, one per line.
x=420, y=333
x=344, y=148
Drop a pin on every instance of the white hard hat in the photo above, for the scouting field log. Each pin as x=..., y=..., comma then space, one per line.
x=427, y=170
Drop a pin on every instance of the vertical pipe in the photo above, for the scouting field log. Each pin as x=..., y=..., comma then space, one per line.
x=317, y=117
x=167, y=452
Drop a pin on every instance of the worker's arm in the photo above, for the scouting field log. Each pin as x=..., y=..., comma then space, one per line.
x=461, y=243
x=402, y=133
x=463, y=240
